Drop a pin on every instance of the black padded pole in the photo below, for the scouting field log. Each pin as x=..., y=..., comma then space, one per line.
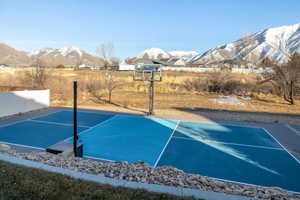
x=75, y=135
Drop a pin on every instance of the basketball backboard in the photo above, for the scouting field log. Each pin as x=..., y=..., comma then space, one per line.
x=147, y=72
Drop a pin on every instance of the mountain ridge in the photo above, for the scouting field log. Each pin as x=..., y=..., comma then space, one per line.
x=51, y=57
x=277, y=43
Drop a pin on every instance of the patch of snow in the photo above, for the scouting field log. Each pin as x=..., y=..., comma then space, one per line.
x=180, y=62
x=155, y=53
x=68, y=50
x=180, y=54
x=275, y=43
x=231, y=100
x=44, y=51
x=65, y=51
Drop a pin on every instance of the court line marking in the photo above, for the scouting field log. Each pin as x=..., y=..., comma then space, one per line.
x=13, y=123
x=281, y=145
x=95, y=112
x=46, y=114
x=226, y=124
x=292, y=129
x=21, y=145
x=24, y=120
x=161, y=153
x=56, y=123
x=92, y=127
x=236, y=144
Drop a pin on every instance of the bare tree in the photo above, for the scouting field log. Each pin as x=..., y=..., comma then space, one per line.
x=99, y=86
x=37, y=75
x=111, y=84
x=106, y=51
x=95, y=87
x=78, y=63
x=284, y=76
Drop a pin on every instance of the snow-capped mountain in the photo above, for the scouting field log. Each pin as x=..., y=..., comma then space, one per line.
x=65, y=56
x=154, y=53
x=184, y=54
x=275, y=43
x=65, y=51
x=172, y=57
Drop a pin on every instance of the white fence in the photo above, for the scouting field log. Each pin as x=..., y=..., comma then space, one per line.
x=192, y=69
x=23, y=101
x=123, y=67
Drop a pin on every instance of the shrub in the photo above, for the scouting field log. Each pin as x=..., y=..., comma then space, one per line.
x=219, y=82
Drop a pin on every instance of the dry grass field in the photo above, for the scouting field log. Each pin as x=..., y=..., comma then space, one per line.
x=178, y=90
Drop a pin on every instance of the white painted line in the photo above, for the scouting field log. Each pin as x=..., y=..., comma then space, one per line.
x=281, y=145
x=161, y=153
x=26, y=146
x=24, y=120
x=179, y=191
x=92, y=127
x=13, y=123
x=230, y=143
x=292, y=129
x=56, y=123
x=224, y=123
x=92, y=112
x=46, y=114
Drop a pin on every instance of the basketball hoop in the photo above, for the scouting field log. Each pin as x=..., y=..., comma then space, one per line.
x=147, y=72
x=151, y=73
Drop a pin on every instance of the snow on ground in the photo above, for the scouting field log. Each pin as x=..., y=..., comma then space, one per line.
x=231, y=100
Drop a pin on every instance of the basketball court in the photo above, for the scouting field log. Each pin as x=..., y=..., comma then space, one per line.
x=243, y=154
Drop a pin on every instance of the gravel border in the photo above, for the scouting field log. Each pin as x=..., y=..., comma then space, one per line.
x=144, y=173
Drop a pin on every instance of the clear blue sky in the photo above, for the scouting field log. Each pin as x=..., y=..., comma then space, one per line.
x=134, y=25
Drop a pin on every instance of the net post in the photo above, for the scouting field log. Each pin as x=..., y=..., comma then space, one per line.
x=75, y=134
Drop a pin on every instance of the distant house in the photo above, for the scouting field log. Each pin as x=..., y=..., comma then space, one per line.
x=2, y=66
x=126, y=67
x=163, y=62
x=142, y=61
x=88, y=67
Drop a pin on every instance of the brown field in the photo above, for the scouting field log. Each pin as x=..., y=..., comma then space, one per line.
x=170, y=94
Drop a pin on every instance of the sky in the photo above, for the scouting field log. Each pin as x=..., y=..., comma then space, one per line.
x=135, y=25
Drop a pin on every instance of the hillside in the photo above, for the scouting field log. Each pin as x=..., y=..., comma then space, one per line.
x=275, y=43
x=11, y=56
x=51, y=57
x=67, y=56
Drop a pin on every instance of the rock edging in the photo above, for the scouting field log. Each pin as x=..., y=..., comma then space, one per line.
x=144, y=173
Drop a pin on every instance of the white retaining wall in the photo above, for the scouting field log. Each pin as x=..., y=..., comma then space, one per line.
x=23, y=101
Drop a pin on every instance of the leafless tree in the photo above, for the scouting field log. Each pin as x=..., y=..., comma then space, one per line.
x=111, y=84
x=284, y=76
x=106, y=51
x=78, y=63
x=100, y=87
x=95, y=87
x=37, y=76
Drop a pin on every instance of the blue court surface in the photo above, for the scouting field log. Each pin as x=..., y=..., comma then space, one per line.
x=227, y=152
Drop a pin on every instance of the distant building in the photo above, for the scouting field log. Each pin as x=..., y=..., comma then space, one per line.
x=89, y=67
x=2, y=66
x=126, y=67
x=142, y=61
x=163, y=62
